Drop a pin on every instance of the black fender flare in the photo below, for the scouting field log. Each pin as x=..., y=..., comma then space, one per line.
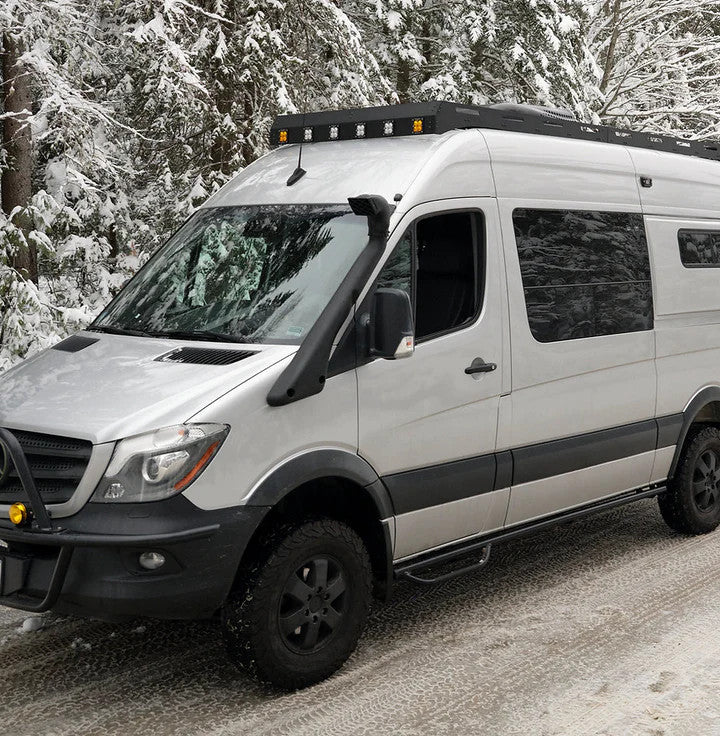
x=322, y=463
x=701, y=399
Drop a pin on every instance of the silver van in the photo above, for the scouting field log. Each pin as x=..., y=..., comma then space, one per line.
x=405, y=334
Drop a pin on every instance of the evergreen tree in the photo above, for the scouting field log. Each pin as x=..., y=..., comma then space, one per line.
x=119, y=118
x=660, y=63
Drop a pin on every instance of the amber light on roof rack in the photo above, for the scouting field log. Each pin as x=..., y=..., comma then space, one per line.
x=427, y=118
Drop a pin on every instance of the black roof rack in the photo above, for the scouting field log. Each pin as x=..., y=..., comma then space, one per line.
x=421, y=118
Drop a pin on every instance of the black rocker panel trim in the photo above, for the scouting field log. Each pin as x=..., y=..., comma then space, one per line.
x=583, y=451
x=503, y=476
x=669, y=430
x=421, y=488
x=438, y=484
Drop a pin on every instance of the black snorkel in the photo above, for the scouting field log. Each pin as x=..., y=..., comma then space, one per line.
x=307, y=371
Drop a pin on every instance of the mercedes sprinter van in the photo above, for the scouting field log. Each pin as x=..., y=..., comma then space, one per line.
x=443, y=327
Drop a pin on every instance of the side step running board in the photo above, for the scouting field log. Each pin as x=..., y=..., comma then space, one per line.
x=408, y=573
x=409, y=569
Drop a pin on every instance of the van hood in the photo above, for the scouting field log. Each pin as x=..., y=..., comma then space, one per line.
x=116, y=387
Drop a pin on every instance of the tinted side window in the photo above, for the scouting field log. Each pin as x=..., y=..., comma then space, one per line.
x=699, y=248
x=584, y=273
x=438, y=263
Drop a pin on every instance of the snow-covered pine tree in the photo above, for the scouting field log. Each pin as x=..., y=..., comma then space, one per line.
x=488, y=51
x=53, y=244
x=660, y=63
x=139, y=109
x=536, y=52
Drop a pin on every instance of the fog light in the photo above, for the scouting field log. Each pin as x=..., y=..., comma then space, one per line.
x=19, y=514
x=151, y=560
x=115, y=491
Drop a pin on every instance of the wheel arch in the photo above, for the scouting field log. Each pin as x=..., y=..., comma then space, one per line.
x=333, y=483
x=703, y=408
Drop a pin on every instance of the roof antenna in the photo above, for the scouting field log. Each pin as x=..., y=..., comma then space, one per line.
x=299, y=171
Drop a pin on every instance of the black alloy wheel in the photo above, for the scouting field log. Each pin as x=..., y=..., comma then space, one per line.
x=312, y=604
x=706, y=479
x=300, y=609
x=691, y=504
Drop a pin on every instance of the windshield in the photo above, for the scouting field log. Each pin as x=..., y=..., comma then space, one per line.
x=250, y=274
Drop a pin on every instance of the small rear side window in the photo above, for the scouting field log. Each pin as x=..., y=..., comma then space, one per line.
x=699, y=248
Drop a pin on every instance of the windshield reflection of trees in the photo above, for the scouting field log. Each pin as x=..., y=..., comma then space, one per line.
x=235, y=270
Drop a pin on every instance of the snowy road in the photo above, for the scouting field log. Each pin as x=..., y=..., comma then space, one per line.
x=606, y=626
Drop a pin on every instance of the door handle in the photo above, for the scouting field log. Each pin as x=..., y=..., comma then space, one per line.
x=480, y=366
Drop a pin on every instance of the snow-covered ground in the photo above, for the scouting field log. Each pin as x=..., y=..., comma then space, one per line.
x=606, y=626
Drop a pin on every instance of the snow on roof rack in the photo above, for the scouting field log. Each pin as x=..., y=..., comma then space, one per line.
x=420, y=118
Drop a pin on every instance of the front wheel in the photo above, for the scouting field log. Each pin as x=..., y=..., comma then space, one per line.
x=302, y=610
x=691, y=504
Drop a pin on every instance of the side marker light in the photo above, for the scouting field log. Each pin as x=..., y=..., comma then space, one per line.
x=201, y=463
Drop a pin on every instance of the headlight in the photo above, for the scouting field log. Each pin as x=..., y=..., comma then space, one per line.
x=159, y=464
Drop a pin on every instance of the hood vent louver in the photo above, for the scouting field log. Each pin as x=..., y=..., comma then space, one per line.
x=75, y=343
x=205, y=356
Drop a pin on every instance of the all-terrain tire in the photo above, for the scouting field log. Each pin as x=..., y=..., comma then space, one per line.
x=316, y=575
x=691, y=504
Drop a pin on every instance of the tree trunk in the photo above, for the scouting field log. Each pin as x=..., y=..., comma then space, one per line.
x=610, y=57
x=16, y=139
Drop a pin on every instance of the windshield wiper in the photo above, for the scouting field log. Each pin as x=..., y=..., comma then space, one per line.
x=115, y=330
x=209, y=335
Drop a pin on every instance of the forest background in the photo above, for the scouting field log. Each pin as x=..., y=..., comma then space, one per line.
x=119, y=117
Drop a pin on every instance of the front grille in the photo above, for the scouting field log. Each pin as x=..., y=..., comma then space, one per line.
x=57, y=465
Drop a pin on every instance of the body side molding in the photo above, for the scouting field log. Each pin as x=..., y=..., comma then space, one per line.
x=316, y=464
x=557, y=457
x=421, y=488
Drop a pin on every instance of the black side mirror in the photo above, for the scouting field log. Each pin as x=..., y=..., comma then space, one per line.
x=391, y=325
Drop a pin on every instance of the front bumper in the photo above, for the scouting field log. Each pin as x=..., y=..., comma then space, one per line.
x=89, y=565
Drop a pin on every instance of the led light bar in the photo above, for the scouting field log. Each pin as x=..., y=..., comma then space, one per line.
x=428, y=118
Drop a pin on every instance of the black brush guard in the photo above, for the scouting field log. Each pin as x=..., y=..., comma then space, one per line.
x=42, y=532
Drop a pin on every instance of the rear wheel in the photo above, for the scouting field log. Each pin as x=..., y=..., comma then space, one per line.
x=303, y=608
x=691, y=504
